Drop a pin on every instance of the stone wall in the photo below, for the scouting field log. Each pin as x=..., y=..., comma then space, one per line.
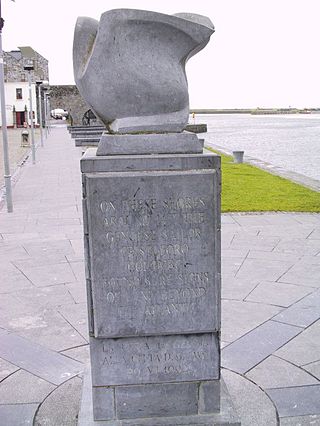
x=68, y=98
x=14, y=67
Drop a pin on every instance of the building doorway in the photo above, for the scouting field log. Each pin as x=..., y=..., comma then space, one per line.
x=20, y=118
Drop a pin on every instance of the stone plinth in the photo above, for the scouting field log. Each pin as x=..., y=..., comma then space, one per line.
x=152, y=244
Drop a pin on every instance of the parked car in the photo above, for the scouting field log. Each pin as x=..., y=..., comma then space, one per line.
x=59, y=113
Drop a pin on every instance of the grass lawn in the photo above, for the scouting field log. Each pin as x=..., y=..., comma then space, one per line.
x=246, y=188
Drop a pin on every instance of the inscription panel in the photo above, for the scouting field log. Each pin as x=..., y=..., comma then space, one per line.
x=152, y=239
x=156, y=359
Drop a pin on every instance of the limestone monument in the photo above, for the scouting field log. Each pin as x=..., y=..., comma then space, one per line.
x=151, y=205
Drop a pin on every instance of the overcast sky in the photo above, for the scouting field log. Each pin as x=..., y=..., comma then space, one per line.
x=264, y=53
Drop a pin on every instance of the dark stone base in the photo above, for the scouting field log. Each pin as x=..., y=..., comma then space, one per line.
x=226, y=416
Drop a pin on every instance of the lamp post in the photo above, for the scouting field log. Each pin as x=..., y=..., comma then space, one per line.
x=28, y=66
x=45, y=87
x=39, y=84
x=48, y=111
x=7, y=175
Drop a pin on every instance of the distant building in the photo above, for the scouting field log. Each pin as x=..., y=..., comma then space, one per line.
x=17, y=89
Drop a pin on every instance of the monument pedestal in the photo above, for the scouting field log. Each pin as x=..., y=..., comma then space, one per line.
x=225, y=416
x=152, y=248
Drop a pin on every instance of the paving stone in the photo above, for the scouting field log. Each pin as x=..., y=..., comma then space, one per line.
x=313, y=260
x=240, y=317
x=251, y=403
x=262, y=269
x=286, y=229
x=248, y=351
x=241, y=253
x=15, y=281
x=296, y=401
x=236, y=289
x=298, y=245
x=78, y=291
x=79, y=271
x=11, y=308
x=46, y=327
x=24, y=388
x=303, y=274
x=231, y=265
x=313, y=368
x=77, y=245
x=77, y=316
x=227, y=218
x=6, y=368
x=302, y=313
x=36, y=248
x=313, y=420
x=12, y=251
x=278, y=294
x=17, y=414
x=315, y=235
x=46, y=275
x=282, y=257
x=251, y=220
x=36, y=359
x=46, y=296
x=47, y=258
x=310, y=218
x=284, y=374
x=303, y=349
x=81, y=354
x=61, y=408
x=254, y=242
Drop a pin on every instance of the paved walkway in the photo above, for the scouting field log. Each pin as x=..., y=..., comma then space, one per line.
x=17, y=152
x=271, y=303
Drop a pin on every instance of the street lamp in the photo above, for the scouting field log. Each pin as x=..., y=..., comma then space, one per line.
x=48, y=110
x=29, y=66
x=45, y=88
x=7, y=175
x=39, y=84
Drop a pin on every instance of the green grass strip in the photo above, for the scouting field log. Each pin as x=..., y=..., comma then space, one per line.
x=246, y=188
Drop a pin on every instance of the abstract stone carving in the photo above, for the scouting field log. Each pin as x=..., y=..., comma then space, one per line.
x=130, y=67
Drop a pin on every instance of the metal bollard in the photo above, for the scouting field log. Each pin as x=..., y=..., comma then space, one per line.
x=25, y=138
x=238, y=156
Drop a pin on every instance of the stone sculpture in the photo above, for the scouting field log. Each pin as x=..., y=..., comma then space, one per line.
x=151, y=219
x=130, y=67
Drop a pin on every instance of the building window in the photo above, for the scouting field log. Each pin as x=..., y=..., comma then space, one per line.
x=23, y=77
x=18, y=93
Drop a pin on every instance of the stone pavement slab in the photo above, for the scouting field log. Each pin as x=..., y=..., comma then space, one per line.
x=6, y=368
x=24, y=388
x=305, y=348
x=277, y=294
x=36, y=359
x=252, y=348
x=313, y=368
x=302, y=313
x=296, y=401
x=17, y=414
x=240, y=317
x=284, y=374
x=312, y=420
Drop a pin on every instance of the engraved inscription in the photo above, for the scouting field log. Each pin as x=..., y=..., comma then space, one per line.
x=155, y=359
x=152, y=255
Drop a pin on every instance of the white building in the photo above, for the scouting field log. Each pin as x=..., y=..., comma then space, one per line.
x=17, y=87
x=17, y=104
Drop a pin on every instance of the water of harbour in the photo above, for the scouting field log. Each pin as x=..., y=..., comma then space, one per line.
x=289, y=141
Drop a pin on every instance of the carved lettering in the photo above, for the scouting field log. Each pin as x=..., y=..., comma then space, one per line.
x=152, y=266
